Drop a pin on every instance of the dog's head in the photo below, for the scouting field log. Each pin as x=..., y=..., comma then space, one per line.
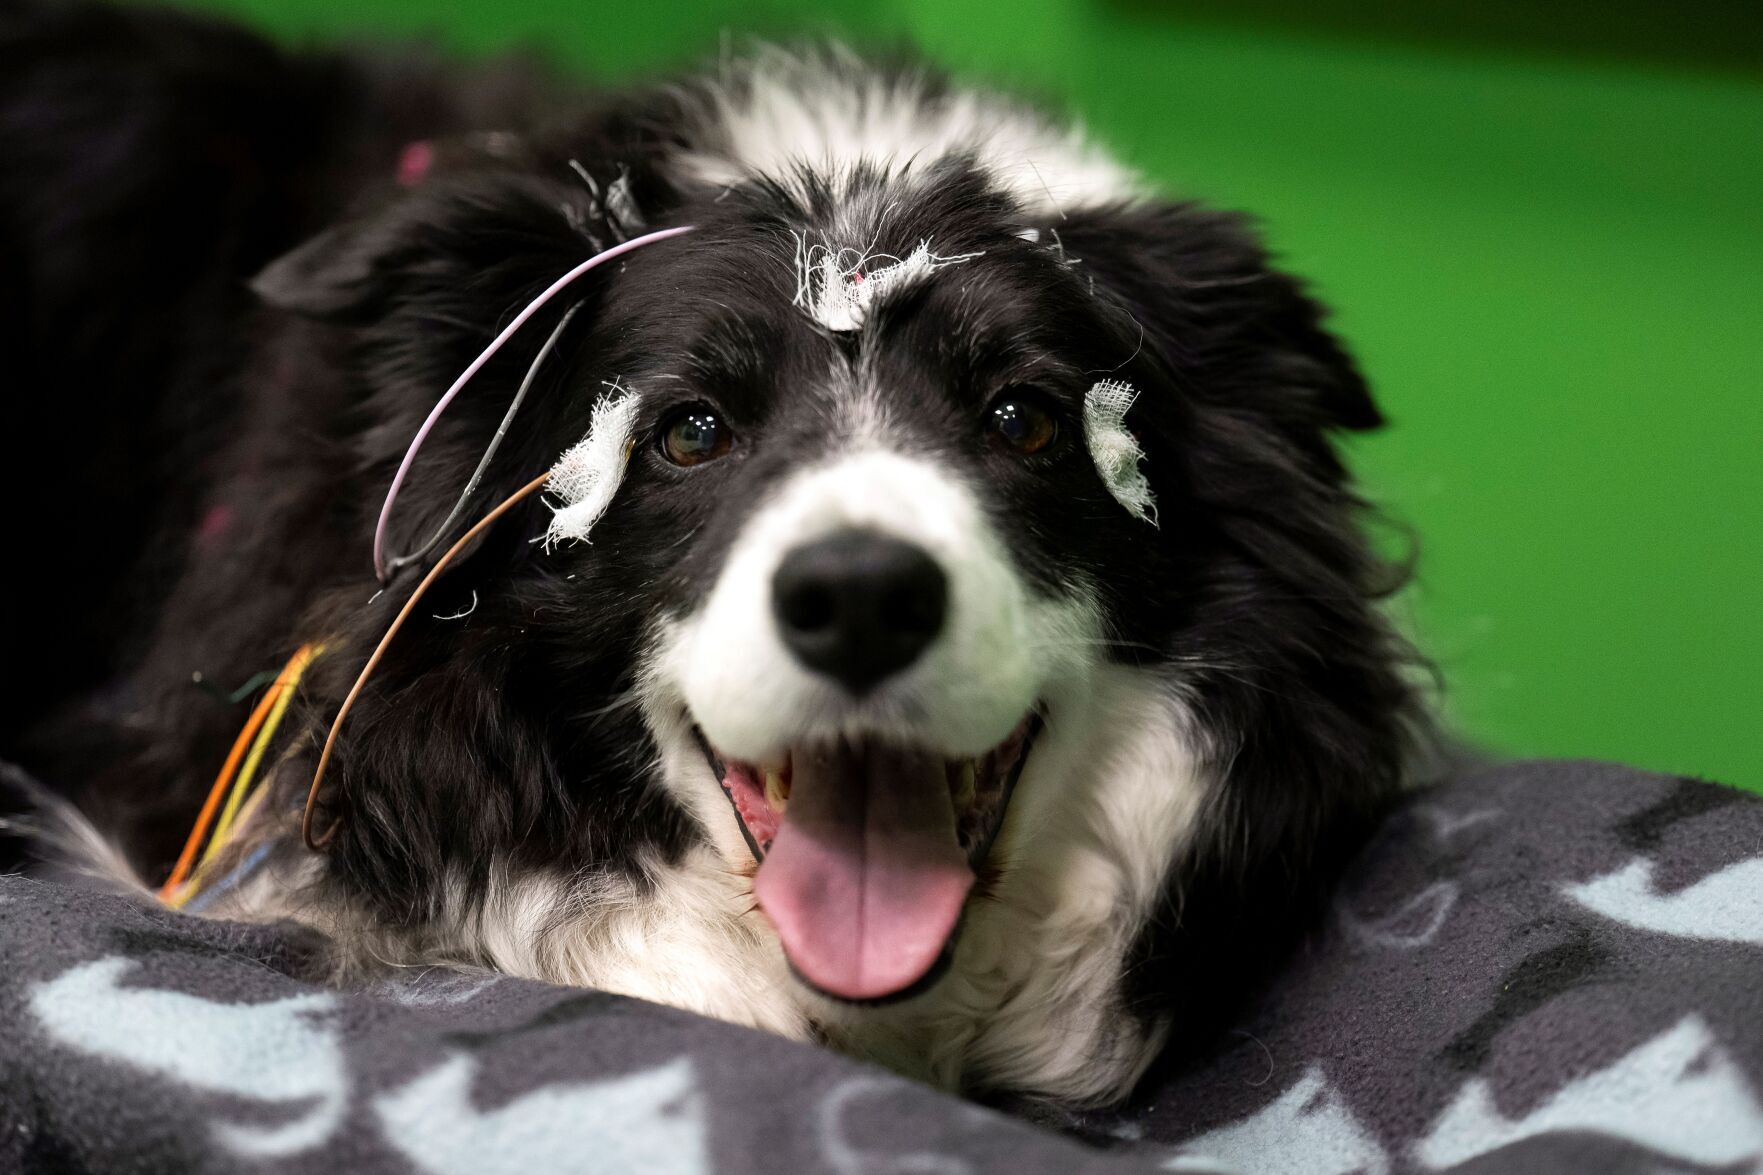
x=915, y=444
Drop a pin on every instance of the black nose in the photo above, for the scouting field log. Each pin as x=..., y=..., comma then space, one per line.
x=858, y=606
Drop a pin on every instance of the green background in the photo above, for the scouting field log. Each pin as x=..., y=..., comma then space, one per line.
x=1542, y=229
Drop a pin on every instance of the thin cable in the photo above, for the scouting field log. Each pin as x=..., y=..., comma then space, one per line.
x=399, y=562
x=324, y=756
x=379, y=531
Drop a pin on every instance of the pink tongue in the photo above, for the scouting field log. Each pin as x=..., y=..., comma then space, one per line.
x=866, y=878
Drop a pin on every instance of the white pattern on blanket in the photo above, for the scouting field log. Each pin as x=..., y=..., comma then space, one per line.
x=1726, y=906
x=275, y=1052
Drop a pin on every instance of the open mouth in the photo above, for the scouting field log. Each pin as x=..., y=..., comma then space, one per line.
x=867, y=853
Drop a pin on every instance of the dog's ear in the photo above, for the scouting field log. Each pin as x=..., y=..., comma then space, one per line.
x=331, y=276
x=1200, y=286
x=455, y=230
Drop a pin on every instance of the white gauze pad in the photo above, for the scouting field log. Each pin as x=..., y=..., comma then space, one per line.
x=585, y=478
x=1115, y=450
x=837, y=286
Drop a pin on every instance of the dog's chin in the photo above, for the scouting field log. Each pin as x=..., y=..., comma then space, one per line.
x=867, y=852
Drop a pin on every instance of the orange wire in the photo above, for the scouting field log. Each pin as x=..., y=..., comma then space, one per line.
x=324, y=756
x=187, y=859
x=286, y=686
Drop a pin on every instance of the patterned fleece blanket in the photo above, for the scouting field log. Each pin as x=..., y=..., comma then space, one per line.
x=1539, y=967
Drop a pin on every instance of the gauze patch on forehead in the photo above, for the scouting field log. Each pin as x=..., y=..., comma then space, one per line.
x=837, y=286
x=587, y=476
x=1115, y=450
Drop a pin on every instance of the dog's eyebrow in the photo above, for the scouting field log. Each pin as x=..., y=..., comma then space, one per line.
x=976, y=343
x=730, y=348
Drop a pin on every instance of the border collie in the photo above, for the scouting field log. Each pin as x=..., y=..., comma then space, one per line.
x=948, y=633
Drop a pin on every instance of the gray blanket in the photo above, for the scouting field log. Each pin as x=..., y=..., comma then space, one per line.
x=1542, y=967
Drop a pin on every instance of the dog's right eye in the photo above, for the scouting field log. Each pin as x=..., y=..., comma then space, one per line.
x=694, y=435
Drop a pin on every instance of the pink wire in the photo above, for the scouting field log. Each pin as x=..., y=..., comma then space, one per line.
x=532, y=308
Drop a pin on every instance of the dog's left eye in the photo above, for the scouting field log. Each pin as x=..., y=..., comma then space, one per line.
x=694, y=435
x=1022, y=423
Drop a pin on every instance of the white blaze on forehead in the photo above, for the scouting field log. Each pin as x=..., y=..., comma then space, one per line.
x=587, y=476
x=777, y=114
x=837, y=286
x=1115, y=450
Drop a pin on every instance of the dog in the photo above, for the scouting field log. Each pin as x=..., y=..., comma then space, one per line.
x=949, y=632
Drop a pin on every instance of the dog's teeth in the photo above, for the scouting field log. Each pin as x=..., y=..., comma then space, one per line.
x=964, y=785
x=777, y=792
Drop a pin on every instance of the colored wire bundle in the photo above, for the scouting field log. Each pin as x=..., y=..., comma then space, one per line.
x=187, y=876
x=233, y=784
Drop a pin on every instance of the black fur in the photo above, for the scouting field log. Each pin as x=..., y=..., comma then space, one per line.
x=156, y=163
